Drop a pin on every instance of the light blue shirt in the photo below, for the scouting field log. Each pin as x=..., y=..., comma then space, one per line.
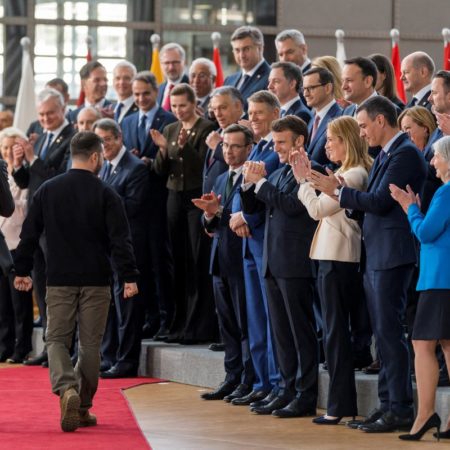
x=150, y=116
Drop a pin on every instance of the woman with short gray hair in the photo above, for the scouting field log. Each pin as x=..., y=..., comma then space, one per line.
x=432, y=322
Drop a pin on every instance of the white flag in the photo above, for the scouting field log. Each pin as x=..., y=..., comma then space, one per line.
x=26, y=98
x=340, y=48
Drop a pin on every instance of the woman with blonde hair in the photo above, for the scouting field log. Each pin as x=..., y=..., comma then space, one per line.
x=337, y=246
x=419, y=123
x=332, y=64
x=16, y=307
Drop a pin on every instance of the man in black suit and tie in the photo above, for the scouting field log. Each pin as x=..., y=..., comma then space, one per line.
x=173, y=60
x=390, y=254
x=33, y=165
x=128, y=176
x=94, y=83
x=202, y=78
x=248, y=46
x=286, y=81
x=417, y=72
x=288, y=273
x=137, y=139
x=226, y=265
x=291, y=47
x=123, y=74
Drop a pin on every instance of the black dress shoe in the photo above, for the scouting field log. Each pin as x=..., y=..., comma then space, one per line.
x=297, y=408
x=161, y=334
x=37, y=323
x=173, y=338
x=276, y=403
x=251, y=397
x=265, y=401
x=371, y=418
x=15, y=359
x=37, y=360
x=220, y=393
x=325, y=365
x=216, y=347
x=45, y=364
x=104, y=366
x=115, y=372
x=372, y=369
x=388, y=422
x=241, y=391
x=148, y=331
x=362, y=359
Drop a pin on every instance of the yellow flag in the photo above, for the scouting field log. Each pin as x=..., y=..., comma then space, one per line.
x=155, y=69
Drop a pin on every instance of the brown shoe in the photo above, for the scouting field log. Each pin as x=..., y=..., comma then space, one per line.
x=87, y=419
x=70, y=406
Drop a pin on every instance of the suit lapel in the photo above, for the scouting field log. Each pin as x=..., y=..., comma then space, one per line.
x=236, y=184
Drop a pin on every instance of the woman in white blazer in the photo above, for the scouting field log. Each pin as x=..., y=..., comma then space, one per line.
x=16, y=308
x=337, y=246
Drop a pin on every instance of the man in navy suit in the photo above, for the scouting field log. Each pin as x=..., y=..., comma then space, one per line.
x=227, y=106
x=128, y=176
x=94, y=83
x=288, y=273
x=123, y=74
x=137, y=139
x=226, y=265
x=318, y=90
x=291, y=47
x=417, y=72
x=173, y=60
x=202, y=78
x=248, y=46
x=390, y=254
x=285, y=81
x=263, y=109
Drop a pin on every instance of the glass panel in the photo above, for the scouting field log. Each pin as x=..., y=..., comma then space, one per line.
x=142, y=10
x=76, y=10
x=112, y=12
x=44, y=64
x=141, y=48
x=46, y=10
x=1, y=71
x=46, y=40
x=75, y=41
x=111, y=41
x=71, y=68
x=2, y=37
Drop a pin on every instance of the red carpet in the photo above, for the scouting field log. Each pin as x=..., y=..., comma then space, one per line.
x=29, y=415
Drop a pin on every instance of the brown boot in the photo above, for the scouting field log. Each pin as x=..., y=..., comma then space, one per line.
x=70, y=405
x=87, y=419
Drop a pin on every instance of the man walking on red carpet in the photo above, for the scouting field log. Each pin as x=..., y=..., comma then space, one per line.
x=85, y=223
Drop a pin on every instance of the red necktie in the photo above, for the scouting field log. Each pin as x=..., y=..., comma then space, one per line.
x=166, y=104
x=315, y=126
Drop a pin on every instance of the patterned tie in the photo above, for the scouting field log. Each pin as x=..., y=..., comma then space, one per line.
x=283, y=112
x=46, y=146
x=283, y=174
x=243, y=82
x=142, y=133
x=230, y=183
x=118, y=111
x=107, y=172
x=166, y=103
x=258, y=149
x=315, y=126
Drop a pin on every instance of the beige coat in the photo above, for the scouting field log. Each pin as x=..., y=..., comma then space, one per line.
x=337, y=238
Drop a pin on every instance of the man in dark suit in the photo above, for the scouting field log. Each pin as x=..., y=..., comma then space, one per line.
x=137, y=139
x=6, y=200
x=318, y=90
x=173, y=60
x=390, y=254
x=288, y=273
x=286, y=81
x=248, y=46
x=94, y=83
x=202, y=78
x=128, y=176
x=291, y=47
x=417, y=72
x=227, y=106
x=226, y=266
x=33, y=165
x=123, y=74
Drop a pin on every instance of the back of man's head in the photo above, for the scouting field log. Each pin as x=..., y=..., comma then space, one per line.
x=84, y=144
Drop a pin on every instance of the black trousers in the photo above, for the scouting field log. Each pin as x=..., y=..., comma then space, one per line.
x=229, y=294
x=340, y=287
x=195, y=317
x=16, y=319
x=292, y=318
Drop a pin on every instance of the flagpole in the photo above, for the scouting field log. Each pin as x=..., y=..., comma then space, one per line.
x=89, y=42
x=155, y=67
x=395, y=59
x=215, y=37
x=340, y=47
x=446, y=36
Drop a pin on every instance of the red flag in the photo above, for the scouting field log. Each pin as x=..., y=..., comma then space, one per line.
x=395, y=59
x=218, y=64
x=446, y=64
x=80, y=100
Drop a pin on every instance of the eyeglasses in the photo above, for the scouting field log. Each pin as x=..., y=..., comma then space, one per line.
x=309, y=89
x=232, y=146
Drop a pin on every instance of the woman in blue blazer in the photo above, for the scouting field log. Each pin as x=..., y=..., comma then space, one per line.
x=432, y=323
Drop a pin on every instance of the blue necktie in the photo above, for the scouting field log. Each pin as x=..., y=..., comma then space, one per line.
x=258, y=149
x=142, y=133
x=46, y=146
x=245, y=79
x=283, y=112
x=118, y=111
x=107, y=172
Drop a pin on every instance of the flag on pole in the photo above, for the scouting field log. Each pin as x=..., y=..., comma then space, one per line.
x=26, y=98
x=80, y=100
x=340, y=48
x=395, y=59
x=155, y=67
x=446, y=36
x=216, y=58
